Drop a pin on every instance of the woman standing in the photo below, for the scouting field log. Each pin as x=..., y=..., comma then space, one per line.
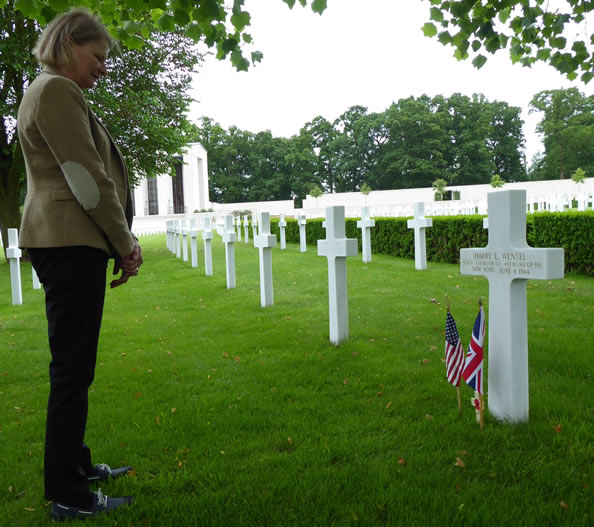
x=78, y=214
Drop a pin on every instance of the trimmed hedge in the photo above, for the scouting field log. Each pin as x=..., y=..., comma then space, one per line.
x=574, y=231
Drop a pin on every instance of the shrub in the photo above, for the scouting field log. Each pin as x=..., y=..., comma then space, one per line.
x=574, y=231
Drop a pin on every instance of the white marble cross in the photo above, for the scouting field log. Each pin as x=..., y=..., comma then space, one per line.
x=36, y=283
x=419, y=224
x=508, y=263
x=177, y=239
x=302, y=222
x=264, y=242
x=336, y=247
x=184, y=231
x=13, y=254
x=365, y=224
x=282, y=224
x=238, y=227
x=194, y=242
x=254, y=226
x=246, y=228
x=207, y=237
x=229, y=238
x=171, y=235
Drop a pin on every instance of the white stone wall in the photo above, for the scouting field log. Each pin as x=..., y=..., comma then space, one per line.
x=195, y=176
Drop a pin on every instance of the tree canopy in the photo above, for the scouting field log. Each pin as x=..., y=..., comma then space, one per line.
x=415, y=141
x=533, y=30
x=134, y=21
x=567, y=128
x=143, y=102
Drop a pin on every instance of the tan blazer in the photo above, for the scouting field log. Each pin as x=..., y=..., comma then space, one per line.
x=77, y=182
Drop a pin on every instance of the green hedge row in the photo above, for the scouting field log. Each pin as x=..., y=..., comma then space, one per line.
x=574, y=231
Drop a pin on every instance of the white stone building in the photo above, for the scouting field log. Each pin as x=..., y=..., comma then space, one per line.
x=185, y=193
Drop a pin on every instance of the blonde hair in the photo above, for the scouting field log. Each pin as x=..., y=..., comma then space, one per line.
x=79, y=25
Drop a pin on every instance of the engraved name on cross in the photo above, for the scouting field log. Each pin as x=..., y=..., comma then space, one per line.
x=508, y=262
x=336, y=247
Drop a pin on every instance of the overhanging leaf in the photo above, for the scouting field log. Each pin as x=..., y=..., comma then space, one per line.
x=194, y=32
x=479, y=61
x=429, y=29
x=181, y=17
x=29, y=8
x=318, y=6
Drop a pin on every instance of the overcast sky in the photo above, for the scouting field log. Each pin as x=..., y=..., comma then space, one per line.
x=359, y=52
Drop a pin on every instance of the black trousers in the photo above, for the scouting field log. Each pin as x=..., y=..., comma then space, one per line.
x=74, y=282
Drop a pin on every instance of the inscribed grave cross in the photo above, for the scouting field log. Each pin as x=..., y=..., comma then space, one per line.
x=194, y=242
x=246, y=229
x=264, y=242
x=207, y=237
x=13, y=254
x=419, y=224
x=254, y=225
x=177, y=239
x=365, y=224
x=229, y=238
x=282, y=224
x=184, y=240
x=508, y=262
x=302, y=238
x=238, y=227
x=336, y=247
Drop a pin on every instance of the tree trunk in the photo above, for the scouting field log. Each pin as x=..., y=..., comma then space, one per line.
x=10, y=191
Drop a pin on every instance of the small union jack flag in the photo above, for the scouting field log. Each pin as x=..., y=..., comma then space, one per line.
x=473, y=369
x=454, y=351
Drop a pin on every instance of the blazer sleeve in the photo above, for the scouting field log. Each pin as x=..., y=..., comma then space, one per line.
x=63, y=121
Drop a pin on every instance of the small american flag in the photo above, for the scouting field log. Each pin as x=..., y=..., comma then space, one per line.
x=454, y=352
x=473, y=370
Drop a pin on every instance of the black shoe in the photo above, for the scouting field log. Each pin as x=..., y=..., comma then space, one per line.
x=102, y=504
x=103, y=472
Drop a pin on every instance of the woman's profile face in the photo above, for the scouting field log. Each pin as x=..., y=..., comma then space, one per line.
x=88, y=63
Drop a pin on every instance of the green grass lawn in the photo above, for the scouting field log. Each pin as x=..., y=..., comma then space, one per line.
x=233, y=414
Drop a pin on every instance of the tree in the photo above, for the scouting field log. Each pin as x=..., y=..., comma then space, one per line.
x=496, y=181
x=350, y=148
x=322, y=140
x=365, y=189
x=579, y=176
x=17, y=68
x=144, y=101
x=418, y=141
x=439, y=186
x=533, y=30
x=567, y=126
x=315, y=192
x=133, y=22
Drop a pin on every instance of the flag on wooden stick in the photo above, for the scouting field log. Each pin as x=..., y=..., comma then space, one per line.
x=454, y=351
x=473, y=369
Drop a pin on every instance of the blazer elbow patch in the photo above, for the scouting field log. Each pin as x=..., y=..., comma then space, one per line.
x=83, y=185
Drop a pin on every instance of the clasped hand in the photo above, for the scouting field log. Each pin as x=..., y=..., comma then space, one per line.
x=129, y=265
